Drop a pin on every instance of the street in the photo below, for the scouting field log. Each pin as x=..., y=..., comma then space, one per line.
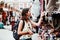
x=6, y=34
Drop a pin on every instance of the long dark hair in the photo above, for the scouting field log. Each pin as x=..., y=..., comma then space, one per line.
x=24, y=11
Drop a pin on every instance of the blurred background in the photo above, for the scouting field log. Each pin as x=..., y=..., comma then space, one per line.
x=10, y=14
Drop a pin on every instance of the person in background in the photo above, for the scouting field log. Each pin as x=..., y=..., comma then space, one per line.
x=1, y=23
x=4, y=16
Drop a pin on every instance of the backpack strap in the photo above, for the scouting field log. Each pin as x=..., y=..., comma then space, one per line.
x=23, y=25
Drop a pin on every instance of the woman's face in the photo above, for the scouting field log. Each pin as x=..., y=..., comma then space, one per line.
x=28, y=14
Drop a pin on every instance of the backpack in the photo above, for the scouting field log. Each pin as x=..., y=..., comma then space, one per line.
x=15, y=34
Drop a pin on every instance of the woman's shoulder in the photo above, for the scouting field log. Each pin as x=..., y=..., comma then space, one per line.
x=21, y=21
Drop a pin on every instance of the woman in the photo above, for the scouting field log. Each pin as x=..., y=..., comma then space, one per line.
x=26, y=32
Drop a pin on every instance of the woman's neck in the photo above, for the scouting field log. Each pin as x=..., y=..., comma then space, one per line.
x=27, y=20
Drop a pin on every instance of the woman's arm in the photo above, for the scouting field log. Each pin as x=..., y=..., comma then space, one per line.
x=20, y=32
x=39, y=22
x=20, y=28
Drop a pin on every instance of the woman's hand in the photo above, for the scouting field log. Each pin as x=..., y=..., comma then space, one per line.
x=42, y=14
x=30, y=32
